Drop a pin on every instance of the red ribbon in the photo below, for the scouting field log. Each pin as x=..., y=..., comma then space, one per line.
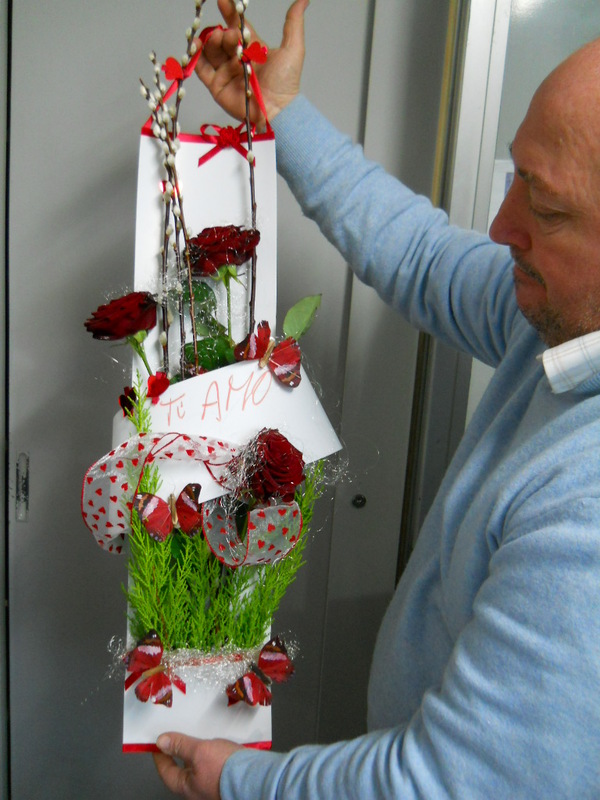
x=171, y=71
x=223, y=138
x=256, y=53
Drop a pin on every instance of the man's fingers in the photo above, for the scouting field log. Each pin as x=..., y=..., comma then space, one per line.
x=232, y=19
x=293, y=27
x=173, y=776
x=228, y=12
x=220, y=46
x=178, y=745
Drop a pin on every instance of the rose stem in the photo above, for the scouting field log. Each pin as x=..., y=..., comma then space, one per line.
x=228, y=290
x=180, y=303
x=164, y=299
x=141, y=351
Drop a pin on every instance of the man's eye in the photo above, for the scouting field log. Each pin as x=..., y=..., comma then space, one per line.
x=546, y=215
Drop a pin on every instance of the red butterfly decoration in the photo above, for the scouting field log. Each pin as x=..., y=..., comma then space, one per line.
x=283, y=359
x=144, y=662
x=159, y=516
x=284, y=362
x=274, y=664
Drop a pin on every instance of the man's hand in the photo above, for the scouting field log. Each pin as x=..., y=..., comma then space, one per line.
x=198, y=777
x=220, y=70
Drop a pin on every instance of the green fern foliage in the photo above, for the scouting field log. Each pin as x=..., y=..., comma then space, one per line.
x=180, y=589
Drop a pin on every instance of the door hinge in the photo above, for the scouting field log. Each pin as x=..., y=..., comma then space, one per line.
x=22, y=493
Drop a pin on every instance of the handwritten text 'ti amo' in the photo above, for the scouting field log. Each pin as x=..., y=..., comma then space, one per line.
x=220, y=397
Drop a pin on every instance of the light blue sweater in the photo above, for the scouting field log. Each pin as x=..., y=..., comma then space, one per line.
x=485, y=680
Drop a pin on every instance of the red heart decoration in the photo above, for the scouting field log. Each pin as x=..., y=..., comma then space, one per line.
x=172, y=69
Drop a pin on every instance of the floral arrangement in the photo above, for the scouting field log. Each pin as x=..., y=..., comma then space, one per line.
x=206, y=576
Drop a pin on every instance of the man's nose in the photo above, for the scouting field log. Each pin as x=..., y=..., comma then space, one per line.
x=510, y=225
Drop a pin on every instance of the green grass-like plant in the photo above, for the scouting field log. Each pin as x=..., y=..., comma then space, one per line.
x=181, y=590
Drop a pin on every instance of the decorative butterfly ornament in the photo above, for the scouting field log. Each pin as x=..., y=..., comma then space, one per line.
x=144, y=662
x=273, y=665
x=159, y=517
x=283, y=359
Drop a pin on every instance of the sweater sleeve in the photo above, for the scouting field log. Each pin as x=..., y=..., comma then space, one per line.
x=454, y=284
x=516, y=715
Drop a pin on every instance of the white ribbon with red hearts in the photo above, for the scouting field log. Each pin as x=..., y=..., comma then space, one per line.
x=271, y=532
x=112, y=482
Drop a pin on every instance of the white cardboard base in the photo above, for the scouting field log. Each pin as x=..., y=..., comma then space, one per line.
x=201, y=712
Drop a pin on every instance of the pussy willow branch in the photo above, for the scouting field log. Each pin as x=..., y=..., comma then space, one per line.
x=160, y=115
x=247, y=96
x=190, y=52
x=164, y=292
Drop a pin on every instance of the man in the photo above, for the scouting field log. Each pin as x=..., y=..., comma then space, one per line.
x=486, y=674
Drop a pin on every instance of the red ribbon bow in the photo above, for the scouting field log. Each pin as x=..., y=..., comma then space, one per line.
x=256, y=53
x=175, y=72
x=223, y=138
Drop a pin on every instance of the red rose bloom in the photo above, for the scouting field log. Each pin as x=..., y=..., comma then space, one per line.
x=279, y=467
x=123, y=317
x=224, y=244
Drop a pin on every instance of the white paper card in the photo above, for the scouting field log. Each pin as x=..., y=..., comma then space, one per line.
x=233, y=404
x=215, y=193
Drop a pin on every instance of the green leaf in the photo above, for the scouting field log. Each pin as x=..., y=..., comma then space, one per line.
x=300, y=316
x=226, y=273
x=205, y=302
x=139, y=337
x=176, y=544
x=213, y=352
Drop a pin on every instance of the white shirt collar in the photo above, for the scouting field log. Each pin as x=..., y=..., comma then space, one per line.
x=570, y=364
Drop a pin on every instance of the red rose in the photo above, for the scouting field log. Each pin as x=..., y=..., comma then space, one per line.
x=224, y=244
x=123, y=317
x=279, y=467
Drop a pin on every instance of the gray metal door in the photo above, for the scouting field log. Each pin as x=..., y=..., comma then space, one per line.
x=75, y=115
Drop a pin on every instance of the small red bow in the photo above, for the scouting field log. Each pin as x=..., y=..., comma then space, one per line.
x=223, y=138
x=255, y=52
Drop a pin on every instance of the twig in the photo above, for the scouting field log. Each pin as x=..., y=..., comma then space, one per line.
x=246, y=66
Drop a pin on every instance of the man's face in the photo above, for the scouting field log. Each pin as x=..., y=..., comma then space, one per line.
x=550, y=218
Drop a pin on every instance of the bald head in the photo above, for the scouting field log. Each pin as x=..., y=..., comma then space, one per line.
x=569, y=98
x=580, y=71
